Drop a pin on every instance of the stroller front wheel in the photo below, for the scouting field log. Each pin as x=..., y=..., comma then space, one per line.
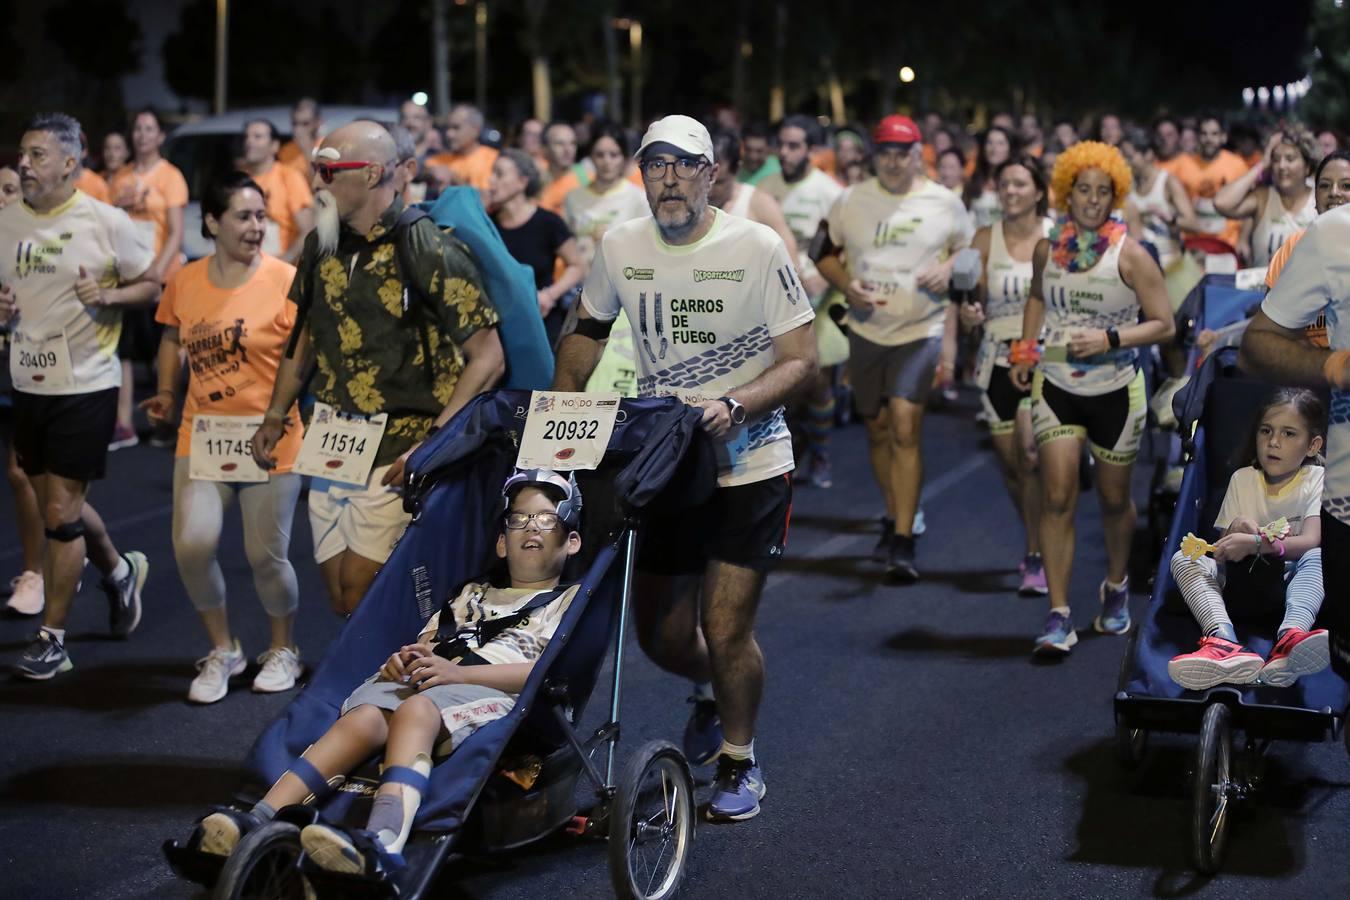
x=265, y=865
x=1214, y=790
x=651, y=824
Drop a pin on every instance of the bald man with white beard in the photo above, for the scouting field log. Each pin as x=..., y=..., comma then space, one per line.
x=400, y=349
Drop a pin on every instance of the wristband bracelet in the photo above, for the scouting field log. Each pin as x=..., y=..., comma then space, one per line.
x=1333, y=369
x=1280, y=544
x=1024, y=353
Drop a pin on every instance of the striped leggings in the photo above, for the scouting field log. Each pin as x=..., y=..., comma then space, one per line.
x=1202, y=586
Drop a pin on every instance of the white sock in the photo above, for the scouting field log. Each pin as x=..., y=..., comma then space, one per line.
x=412, y=798
x=1062, y=610
x=58, y=633
x=120, y=571
x=1116, y=587
x=738, y=751
x=703, y=690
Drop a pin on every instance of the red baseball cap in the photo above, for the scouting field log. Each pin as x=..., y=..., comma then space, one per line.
x=896, y=130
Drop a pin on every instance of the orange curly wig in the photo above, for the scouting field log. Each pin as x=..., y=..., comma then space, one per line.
x=1091, y=155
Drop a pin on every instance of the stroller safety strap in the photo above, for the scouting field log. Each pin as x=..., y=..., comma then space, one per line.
x=405, y=775
x=453, y=642
x=312, y=777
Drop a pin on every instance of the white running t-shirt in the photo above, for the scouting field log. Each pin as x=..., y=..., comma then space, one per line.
x=887, y=238
x=1316, y=280
x=705, y=317
x=590, y=214
x=61, y=346
x=805, y=203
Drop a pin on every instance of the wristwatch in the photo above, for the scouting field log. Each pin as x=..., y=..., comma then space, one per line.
x=736, y=409
x=1113, y=338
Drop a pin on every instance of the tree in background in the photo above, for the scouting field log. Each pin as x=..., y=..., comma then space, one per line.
x=1328, y=103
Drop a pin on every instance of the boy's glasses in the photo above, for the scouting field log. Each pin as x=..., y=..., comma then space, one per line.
x=327, y=169
x=544, y=521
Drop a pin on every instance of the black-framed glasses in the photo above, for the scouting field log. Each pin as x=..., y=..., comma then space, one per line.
x=686, y=167
x=544, y=521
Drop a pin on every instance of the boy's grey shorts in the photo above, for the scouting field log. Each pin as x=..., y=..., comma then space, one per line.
x=465, y=708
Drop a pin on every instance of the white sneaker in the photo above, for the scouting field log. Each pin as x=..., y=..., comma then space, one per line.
x=215, y=671
x=28, y=598
x=280, y=667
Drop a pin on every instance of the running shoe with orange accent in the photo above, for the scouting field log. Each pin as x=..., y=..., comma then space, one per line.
x=1217, y=661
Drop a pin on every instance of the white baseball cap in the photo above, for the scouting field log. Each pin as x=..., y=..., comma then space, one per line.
x=684, y=134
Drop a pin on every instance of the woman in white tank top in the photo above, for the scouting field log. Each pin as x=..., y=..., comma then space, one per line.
x=1279, y=210
x=1161, y=199
x=1098, y=295
x=1006, y=249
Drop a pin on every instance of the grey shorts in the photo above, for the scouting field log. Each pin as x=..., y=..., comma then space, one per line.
x=877, y=372
x=465, y=708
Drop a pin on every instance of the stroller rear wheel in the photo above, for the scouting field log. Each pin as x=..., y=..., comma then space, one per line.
x=265, y=865
x=651, y=824
x=1214, y=790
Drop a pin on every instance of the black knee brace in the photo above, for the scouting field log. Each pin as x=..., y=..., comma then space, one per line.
x=66, y=532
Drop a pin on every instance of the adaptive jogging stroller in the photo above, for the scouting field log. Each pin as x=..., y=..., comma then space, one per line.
x=1214, y=413
x=454, y=492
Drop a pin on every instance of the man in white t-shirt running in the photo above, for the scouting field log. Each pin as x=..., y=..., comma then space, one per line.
x=67, y=262
x=1316, y=282
x=806, y=195
x=899, y=234
x=722, y=323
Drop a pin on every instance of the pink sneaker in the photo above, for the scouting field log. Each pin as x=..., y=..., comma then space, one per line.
x=1217, y=661
x=1032, y=570
x=1296, y=654
x=28, y=598
x=123, y=437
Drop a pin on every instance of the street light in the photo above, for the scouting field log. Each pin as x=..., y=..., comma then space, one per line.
x=906, y=74
x=420, y=98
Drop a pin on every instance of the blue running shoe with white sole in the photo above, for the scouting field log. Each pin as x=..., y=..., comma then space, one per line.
x=1058, y=637
x=1115, y=615
x=737, y=790
x=44, y=657
x=703, y=733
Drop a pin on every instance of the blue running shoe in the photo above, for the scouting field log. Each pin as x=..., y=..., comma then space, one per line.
x=703, y=733
x=1058, y=637
x=737, y=791
x=1115, y=615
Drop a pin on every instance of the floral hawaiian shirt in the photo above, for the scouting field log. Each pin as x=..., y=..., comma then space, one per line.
x=367, y=344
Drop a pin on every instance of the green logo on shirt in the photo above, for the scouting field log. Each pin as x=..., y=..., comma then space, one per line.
x=633, y=274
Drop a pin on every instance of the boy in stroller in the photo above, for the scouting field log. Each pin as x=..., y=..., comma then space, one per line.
x=463, y=671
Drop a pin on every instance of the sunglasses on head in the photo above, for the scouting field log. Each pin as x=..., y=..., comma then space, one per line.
x=327, y=169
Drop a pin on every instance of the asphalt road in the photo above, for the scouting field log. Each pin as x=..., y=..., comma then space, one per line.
x=910, y=746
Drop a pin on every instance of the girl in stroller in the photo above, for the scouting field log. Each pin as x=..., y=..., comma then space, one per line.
x=1271, y=510
x=462, y=672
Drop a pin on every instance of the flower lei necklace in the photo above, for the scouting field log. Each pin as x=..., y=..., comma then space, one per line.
x=1073, y=251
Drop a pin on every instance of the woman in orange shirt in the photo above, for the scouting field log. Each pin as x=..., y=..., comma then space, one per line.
x=231, y=315
x=154, y=193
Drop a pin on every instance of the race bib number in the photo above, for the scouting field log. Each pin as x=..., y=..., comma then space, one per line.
x=737, y=440
x=36, y=363
x=220, y=449
x=566, y=431
x=340, y=446
x=886, y=281
x=985, y=361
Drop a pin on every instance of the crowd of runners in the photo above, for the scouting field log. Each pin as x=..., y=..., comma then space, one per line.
x=811, y=274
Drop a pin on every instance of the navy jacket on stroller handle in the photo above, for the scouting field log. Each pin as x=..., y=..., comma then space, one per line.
x=454, y=485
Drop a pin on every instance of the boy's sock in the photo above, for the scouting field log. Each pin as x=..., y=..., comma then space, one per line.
x=391, y=821
x=263, y=812
x=703, y=690
x=738, y=751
